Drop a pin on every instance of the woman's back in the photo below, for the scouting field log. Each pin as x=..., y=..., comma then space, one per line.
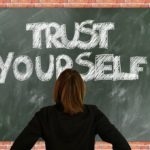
x=65, y=132
x=62, y=131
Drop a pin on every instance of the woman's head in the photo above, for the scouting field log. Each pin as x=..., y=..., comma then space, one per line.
x=69, y=90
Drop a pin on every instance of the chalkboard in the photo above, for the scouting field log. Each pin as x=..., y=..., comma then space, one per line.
x=110, y=47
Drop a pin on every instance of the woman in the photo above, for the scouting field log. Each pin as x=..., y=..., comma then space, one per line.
x=69, y=124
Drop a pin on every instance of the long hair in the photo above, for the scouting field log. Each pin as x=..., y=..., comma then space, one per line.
x=69, y=91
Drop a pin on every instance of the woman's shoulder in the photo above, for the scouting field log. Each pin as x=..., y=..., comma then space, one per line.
x=45, y=109
x=95, y=109
x=91, y=106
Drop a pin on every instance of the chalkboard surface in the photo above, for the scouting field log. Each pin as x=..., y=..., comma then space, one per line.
x=126, y=101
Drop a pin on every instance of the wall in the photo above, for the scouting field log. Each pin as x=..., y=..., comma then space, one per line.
x=5, y=145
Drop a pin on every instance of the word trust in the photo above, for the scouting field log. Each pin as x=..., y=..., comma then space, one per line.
x=96, y=71
x=55, y=34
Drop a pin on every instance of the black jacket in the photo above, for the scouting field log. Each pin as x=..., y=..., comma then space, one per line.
x=60, y=131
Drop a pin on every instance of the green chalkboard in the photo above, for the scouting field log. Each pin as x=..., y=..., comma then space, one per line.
x=28, y=41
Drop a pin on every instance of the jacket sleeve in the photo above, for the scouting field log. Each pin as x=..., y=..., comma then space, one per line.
x=108, y=132
x=29, y=135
